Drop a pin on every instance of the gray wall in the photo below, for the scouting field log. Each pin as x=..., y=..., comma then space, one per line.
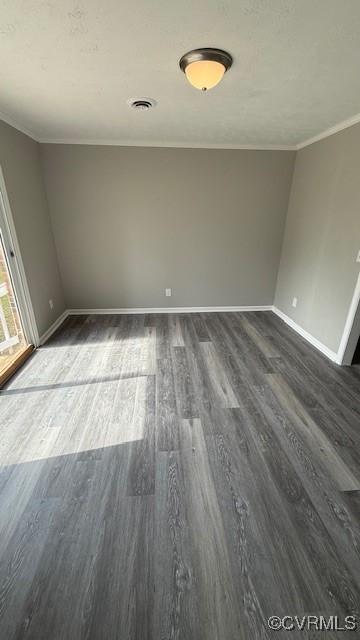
x=129, y=222
x=20, y=161
x=322, y=236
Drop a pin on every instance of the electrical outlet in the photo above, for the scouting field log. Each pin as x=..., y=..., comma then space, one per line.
x=294, y=302
x=168, y=293
x=358, y=257
x=51, y=304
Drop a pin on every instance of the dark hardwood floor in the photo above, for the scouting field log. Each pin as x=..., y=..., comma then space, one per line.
x=177, y=477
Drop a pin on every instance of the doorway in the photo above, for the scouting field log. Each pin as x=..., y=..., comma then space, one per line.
x=356, y=356
x=349, y=344
x=17, y=336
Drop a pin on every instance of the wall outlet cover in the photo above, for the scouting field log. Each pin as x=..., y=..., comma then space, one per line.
x=168, y=293
x=294, y=302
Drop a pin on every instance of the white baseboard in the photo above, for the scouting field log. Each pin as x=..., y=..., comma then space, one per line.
x=335, y=357
x=45, y=336
x=167, y=310
x=332, y=355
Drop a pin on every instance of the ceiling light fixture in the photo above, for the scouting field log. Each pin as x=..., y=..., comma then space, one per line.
x=204, y=68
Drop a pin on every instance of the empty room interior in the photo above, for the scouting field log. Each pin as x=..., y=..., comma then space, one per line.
x=179, y=319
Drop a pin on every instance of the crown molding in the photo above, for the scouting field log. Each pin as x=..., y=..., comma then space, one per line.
x=167, y=145
x=13, y=123
x=142, y=143
x=344, y=124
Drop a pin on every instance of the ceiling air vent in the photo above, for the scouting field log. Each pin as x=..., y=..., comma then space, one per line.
x=141, y=104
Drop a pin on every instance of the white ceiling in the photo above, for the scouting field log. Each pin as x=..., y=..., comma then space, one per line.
x=68, y=67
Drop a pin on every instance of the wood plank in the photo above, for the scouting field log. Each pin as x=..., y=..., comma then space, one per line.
x=176, y=603
x=141, y=474
x=220, y=383
x=317, y=440
x=177, y=339
x=217, y=603
x=187, y=406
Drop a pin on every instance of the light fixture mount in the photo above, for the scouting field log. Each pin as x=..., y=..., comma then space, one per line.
x=205, y=67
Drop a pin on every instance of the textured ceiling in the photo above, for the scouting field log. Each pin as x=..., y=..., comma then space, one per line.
x=67, y=69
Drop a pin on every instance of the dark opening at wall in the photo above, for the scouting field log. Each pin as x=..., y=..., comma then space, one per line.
x=356, y=357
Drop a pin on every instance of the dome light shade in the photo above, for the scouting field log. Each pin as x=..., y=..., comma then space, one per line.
x=204, y=74
x=204, y=68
